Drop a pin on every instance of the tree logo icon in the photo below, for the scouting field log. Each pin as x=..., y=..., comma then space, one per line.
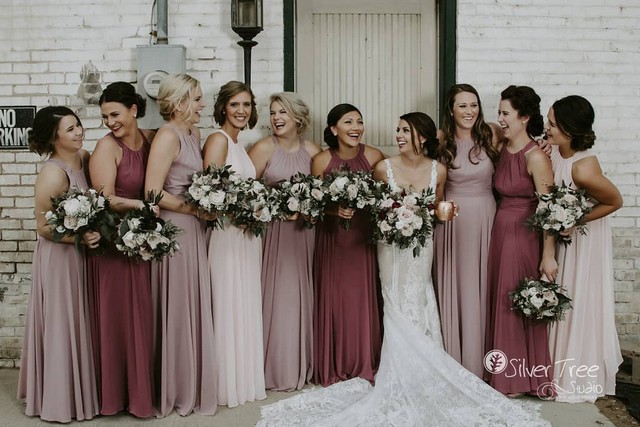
x=495, y=361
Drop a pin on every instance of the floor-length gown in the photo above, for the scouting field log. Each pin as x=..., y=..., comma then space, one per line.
x=515, y=253
x=461, y=256
x=587, y=336
x=182, y=302
x=418, y=383
x=235, y=260
x=287, y=286
x=346, y=333
x=57, y=377
x=121, y=309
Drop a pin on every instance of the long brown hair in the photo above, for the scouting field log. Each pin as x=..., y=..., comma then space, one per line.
x=481, y=132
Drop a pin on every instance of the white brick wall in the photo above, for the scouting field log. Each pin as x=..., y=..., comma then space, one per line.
x=571, y=47
x=558, y=47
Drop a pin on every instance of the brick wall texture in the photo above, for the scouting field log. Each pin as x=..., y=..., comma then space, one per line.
x=557, y=47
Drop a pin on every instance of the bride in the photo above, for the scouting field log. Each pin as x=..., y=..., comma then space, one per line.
x=418, y=383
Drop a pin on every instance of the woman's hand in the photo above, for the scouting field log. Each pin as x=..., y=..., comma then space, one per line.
x=91, y=239
x=566, y=232
x=549, y=268
x=205, y=216
x=346, y=213
x=446, y=210
x=293, y=217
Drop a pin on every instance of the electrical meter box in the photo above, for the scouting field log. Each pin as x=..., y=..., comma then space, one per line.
x=155, y=62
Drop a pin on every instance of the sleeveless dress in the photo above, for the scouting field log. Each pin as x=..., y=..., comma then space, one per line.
x=182, y=302
x=418, y=383
x=287, y=286
x=234, y=263
x=461, y=256
x=121, y=310
x=347, y=334
x=515, y=253
x=57, y=377
x=587, y=336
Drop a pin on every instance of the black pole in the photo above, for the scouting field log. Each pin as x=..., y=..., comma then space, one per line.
x=246, y=46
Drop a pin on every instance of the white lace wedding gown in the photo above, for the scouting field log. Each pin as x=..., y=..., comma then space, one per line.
x=418, y=383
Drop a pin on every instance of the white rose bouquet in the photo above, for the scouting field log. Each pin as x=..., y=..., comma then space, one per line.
x=559, y=210
x=304, y=194
x=255, y=207
x=143, y=236
x=77, y=211
x=404, y=218
x=350, y=189
x=213, y=190
x=539, y=300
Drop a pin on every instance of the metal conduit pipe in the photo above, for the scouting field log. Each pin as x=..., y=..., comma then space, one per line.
x=163, y=19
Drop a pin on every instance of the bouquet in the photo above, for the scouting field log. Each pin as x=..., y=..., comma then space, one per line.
x=143, y=236
x=304, y=194
x=76, y=211
x=350, y=189
x=404, y=218
x=540, y=300
x=561, y=209
x=214, y=190
x=256, y=205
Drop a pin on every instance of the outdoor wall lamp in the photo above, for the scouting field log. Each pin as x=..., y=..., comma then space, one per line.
x=246, y=21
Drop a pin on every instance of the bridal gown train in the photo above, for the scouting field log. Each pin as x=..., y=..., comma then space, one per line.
x=418, y=383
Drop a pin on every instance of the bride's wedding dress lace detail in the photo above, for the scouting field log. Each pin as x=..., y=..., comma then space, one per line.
x=418, y=383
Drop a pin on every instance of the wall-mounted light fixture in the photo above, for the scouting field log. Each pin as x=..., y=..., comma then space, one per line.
x=246, y=21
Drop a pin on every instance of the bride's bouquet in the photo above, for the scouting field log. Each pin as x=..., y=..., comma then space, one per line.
x=213, y=191
x=303, y=194
x=539, y=300
x=76, y=211
x=350, y=189
x=144, y=236
x=256, y=205
x=559, y=210
x=404, y=218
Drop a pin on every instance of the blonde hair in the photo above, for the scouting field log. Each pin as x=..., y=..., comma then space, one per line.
x=294, y=106
x=173, y=90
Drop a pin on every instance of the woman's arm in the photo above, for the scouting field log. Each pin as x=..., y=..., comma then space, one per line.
x=539, y=166
x=587, y=174
x=103, y=169
x=214, y=151
x=260, y=154
x=164, y=150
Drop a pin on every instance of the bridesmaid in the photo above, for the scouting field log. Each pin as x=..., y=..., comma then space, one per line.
x=287, y=262
x=515, y=251
x=182, y=302
x=347, y=333
x=57, y=377
x=469, y=147
x=235, y=260
x=121, y=288
x=587, y=337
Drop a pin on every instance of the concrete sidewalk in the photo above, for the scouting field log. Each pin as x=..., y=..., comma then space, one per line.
x=12, y=412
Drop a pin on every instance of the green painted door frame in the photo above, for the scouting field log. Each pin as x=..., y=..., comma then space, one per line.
x=447, y=49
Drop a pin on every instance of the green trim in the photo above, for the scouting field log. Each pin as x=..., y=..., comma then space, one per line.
x=447, y=11
x=289, y=19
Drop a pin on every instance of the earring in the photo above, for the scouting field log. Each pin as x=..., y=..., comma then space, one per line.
x=135, y=116
x=523, y=122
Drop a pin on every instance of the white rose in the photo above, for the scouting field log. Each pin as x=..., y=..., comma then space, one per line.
x=317, y=194
x=71, y=223
x=550, y=296
x=570, y=199
x=129, y=239
x=133, y=223
x=386, y=203
x=82, y=222
x=293, y=204
x=206, y=188
x=257, y=186
x=338, y=184
x=153, y=240
x=385, y=227
x=217, y=197
x=536, y=300
x=196, y=193
x=100, y=202
x=410, y=200
x=297, y=189
x=72, y=207
x=352, y=191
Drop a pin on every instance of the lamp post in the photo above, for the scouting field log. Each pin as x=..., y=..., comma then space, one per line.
x=246, y=21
